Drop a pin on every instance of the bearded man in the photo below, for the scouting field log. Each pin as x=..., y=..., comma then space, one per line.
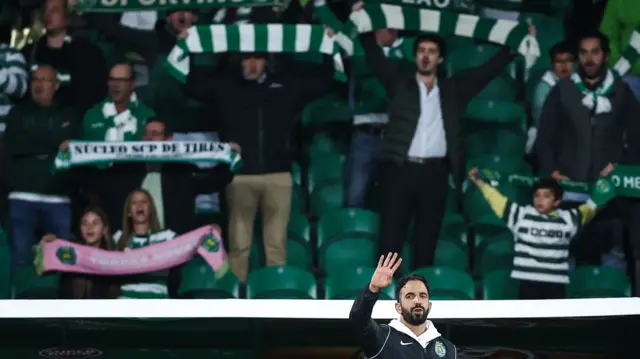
x=409, y=336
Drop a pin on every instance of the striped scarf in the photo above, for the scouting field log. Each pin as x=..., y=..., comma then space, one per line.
x=252, y=38
x=597, y=100
x=630, y=55
x=381, y=16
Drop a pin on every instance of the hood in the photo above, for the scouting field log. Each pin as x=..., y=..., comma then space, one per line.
x=430, y=334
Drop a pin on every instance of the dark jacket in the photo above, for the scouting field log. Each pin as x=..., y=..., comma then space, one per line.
x=259, y=115
x=179, y=189
x=78, y=61
x=404, y=103
x=580, y=144
x=74, y=286
x=386, y=342
x=33, y=136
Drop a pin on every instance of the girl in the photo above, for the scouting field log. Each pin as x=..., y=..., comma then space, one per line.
x=94, y=232
x=141, y=228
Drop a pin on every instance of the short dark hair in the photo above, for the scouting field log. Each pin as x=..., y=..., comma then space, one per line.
x=408, y=278
x=595, y=34
x=561, y=47
x=436, y=39
x=550, y=184
x=167, y=129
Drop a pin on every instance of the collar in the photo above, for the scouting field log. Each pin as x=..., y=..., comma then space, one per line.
x=421, y=85
x=430, y=334
x=259, y=80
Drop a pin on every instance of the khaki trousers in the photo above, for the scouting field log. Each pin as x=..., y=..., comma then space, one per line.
x=271, y=193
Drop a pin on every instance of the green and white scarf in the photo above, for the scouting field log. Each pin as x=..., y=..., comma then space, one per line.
x=100, y=153
x=625, y=181
x=383, y=16
x=166, y=5
x=122, y=125
x=630, y=54
x=299, y=38
x=597, y=100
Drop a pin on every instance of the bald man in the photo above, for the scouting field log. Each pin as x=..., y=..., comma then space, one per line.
x=120, y=117
x=36, y=129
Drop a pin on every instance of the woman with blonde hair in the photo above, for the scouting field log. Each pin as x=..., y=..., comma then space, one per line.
x=93, y=232
x=141, y=228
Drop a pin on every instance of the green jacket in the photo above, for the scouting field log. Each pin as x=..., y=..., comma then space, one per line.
x=620, y=18
x=32, y=139
x=101, y=123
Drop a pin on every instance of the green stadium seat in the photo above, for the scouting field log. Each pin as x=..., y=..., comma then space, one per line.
x=349, y=283
x=347, y=237
x=5, y=267
x=326, y=170
x=494, y=249
x=326, y=110
x=450, y=254
x=296, y=174
x=348, y=252
x=198, y=281
x=598, y=282
x=28, y=285
x=454, y=230
x=323, y=143
x=297, y=199
x=448, y=283
x=299, y=253
x=498, y=285
x=326, y=199
x=494, y=112
x=281, y=282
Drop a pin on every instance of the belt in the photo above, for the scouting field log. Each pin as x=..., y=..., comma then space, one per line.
x=424, y=160
x=371, y=129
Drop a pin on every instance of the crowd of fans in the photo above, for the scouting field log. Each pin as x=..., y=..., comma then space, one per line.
x=62, y=86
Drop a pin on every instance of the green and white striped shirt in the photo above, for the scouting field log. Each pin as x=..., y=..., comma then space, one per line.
x=150, y=285
x=13, y=79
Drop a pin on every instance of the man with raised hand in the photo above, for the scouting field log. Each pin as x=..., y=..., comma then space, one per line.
x=409, y=336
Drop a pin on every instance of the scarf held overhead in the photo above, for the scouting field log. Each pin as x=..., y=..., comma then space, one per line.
x=63, y=256
x=154, y=5
x=98, y=153
x=382, y=16
x=277, y=38
x=630, y=54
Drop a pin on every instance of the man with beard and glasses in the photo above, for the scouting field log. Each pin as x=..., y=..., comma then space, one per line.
x=423, y=139
x=409, y=336
x=585, y=123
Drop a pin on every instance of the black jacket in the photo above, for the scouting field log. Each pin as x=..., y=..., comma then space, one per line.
x=578, y=143
x=404, y=103
x=258, y=115
x=83, y=62
x=179, y=189
x=386, y=342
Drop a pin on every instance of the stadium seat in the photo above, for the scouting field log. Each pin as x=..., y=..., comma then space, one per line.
x=198, y=281
x=450, y=254
x=5, y=267
x=28, y=285
x=299, y=253
x=296, y=174
x=598, y=282
x=328, y=109
x=298, y=203
x=347, y=237
x=448, y=283
x=495, y=112
x=323, y=143
x=326, y=170
x=494, y=249
x=498, y=285
x=281, y=282
x=454, y=230
x=350, y=282
x=326, y=199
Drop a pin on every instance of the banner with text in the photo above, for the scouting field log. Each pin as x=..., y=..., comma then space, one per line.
x=99, y=153
x=147, y=5
x=63, y=256
x=464, y=6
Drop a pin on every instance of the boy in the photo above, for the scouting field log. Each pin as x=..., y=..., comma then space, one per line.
x=542, y=235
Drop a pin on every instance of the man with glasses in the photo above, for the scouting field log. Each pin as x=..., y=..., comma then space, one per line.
x=120, y=117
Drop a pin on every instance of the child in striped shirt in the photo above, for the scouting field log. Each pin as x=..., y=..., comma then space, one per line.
x=542, y=234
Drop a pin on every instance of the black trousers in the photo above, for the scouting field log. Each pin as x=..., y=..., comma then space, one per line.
x=412, y=191
x=541, y=290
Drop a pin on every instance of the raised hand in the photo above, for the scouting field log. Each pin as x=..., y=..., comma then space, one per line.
x=472, y=176
x=383, y=275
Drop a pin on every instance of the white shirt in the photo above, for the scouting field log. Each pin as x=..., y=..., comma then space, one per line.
x=429, y=140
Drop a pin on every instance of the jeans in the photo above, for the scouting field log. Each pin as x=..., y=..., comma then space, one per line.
x=25, y=217
x=634, y=84
x=361, y=166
